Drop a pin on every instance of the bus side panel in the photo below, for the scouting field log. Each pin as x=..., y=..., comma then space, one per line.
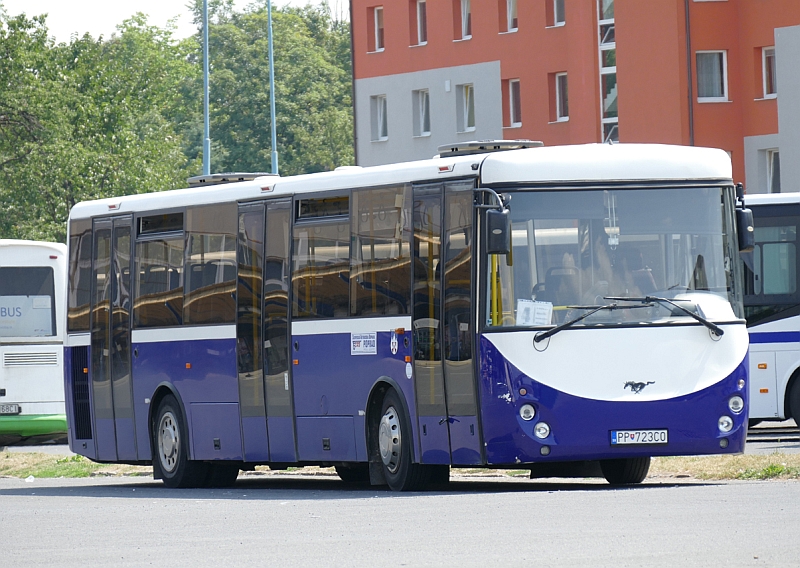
x=281, y=439
x=69, y=397
x=330, y=381
x=255, y=440
x=202, y=371
x=78, y=401
x=581, y=427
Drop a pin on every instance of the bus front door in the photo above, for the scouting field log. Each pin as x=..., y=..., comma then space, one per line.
x=442, y=324
x=112, y=392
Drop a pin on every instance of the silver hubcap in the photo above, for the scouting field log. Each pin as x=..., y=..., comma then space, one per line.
x=389, y=439
x=169, y=441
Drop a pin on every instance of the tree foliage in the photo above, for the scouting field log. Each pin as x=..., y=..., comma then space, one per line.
x=97, y=118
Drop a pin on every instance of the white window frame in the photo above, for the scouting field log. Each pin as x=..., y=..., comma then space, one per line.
x=563, y=20
x=466, y=19
x=724, y=98
x=422, y=22
x=560, y=116
x=513, y=100
x=379, y=107
x=421, y=112
x=511, y=15
x=765, y=51
x=465, y=104
x=379, y=41
x=771, y=154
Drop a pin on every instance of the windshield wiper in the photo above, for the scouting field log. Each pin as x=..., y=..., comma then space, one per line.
x=593, y=309
x=653, y=299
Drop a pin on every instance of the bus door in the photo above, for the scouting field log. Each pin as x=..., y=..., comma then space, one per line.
x=112, y=392
x=442, y=324
x=265, y=382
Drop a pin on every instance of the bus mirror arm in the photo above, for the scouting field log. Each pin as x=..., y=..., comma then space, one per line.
x=745, y=227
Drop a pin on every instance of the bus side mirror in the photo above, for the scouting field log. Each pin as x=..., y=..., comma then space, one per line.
x=746, y=230
x=498, y=231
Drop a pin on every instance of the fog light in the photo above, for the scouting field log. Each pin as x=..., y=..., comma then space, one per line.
x=736, y=404
x=527, y=412
x=542, y=430
x=723, y=443
x=544, y=450
x=740, y=384
x=725, y=423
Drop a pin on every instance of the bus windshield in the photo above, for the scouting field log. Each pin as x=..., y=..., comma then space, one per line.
x=576, y=250
x=27, y=301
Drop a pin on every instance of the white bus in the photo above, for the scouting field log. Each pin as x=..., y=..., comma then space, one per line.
x=772, y=308
x=32, y=277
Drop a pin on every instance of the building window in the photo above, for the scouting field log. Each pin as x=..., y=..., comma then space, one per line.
x=379, y=119
x=422, y=22
x=562, y=97
x=770, y=72
x=712, y=76
x=773, y=171
x=377, y=26
x=511, y=16
x=609, y=117
x=462, y=19
x=554, y=12
x=465, y=107
x=421, y=112
x=514, y=103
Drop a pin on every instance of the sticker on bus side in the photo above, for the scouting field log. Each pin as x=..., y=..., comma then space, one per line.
x=364, y=343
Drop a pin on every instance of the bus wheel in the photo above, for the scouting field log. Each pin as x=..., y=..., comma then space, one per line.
x=358, y=473
x=794, y=402
x=394, y=442
x=625, y=471
x=170, y=448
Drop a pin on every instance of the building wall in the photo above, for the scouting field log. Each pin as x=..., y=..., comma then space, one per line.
x=401, y=144
x=657, y=84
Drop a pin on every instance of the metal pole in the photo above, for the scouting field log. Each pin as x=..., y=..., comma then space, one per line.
x=274, y=154
x=206, y=129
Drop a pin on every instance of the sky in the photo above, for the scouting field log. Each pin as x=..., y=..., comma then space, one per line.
x=101, y=17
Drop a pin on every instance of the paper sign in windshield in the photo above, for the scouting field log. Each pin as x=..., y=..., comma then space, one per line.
x=364, y=343
x=534, y=313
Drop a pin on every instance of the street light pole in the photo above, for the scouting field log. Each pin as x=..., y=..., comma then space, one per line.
x=206, y=129
x=274, y=154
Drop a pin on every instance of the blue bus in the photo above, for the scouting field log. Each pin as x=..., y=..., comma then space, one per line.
x=569, y=310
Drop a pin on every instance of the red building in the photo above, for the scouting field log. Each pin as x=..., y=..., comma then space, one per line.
x=693, y=72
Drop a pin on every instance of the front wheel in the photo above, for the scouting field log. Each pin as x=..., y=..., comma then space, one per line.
x=394, y=442
x=625, y=471
x=171, y=455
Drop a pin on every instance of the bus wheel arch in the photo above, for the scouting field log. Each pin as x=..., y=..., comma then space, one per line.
x=791, y=398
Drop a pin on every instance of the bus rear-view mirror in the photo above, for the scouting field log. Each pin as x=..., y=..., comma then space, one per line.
x=498, y=231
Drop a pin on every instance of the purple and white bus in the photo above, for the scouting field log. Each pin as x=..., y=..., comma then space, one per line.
x=568, y=310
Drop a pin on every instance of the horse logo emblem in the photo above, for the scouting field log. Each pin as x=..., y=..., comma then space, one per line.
x=393, y=343
x=636, y=388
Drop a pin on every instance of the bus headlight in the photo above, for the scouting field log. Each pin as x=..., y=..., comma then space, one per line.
x=736, y=404
x=542, y=430
x=527, y=412
x=725, y=423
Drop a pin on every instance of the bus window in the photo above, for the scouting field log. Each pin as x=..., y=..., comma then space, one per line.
x=80, y=275
x=210, y=276
x=27, y=302
x=159, y=283
x=380, y=273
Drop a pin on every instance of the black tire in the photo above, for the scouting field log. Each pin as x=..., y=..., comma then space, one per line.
x=357, y=474
x=625, y=471
x=439, y=474
x=221, y=474
x=794, y=401
x=170, y=448
x=394, y=445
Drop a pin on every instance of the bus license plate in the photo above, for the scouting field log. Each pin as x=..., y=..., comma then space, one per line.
x=627, y=437
x=9, y=409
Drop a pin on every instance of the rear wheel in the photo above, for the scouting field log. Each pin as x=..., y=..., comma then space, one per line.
x=794, y=401
x=171, y=454
x=394, y=442
x=625, y=471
